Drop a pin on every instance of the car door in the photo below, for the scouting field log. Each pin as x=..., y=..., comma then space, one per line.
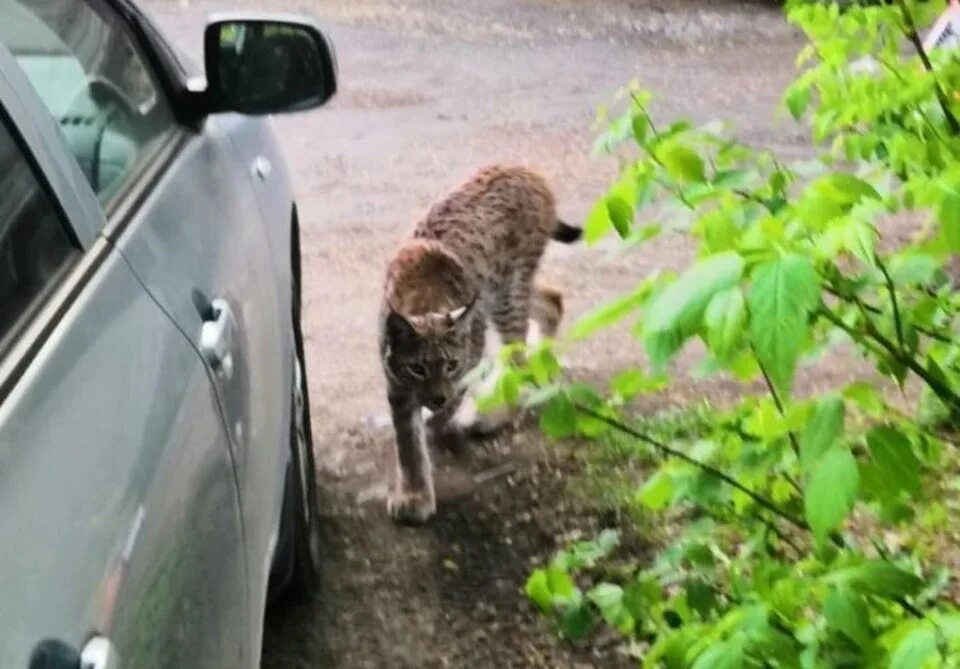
x=193, y=237
x=119, y=511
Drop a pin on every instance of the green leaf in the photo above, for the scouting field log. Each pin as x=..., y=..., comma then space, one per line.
x=641, y=596
x=620, y=213
x=676, y=313
x=543, y=364
x=797, y=99
x=632, y=382
x=913, y=269
x=897, y=464
x=765, y=421
x=558, y=418
x=830, y=491
x=735, y=178
x=538, y=590
x=577, y=622
x=657, y=492
x=846, y=612
x=823, y=428
x=784, y=293
x=508, y=387
x=865, y=396
x=722, y=655
x=598, y=224
x=551, y=587
x=681, y=162
x=844, y=189
x=915, y=648
x=640, y=126
x=949, y=215
x=700, y=596
x=878, y=577
x=612, y=312
x=586, y=553
x=608, y=598
x=561, y=585
x=724, y=318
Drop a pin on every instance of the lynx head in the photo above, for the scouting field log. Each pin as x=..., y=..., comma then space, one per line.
x=430, y=329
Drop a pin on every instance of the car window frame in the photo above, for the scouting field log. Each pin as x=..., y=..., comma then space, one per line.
x=18, y=346
x=77, y=208
x=170, y=91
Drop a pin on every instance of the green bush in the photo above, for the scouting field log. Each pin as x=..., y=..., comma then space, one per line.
x=811, y=528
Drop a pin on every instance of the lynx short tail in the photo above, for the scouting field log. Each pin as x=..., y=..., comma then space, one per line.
x=566, y=234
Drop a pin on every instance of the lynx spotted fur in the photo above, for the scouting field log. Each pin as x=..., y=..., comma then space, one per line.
x=470, y=261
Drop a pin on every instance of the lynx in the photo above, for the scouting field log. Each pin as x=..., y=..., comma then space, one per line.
x=470, y=261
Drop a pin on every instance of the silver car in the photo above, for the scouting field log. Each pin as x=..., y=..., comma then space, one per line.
x=156, y=466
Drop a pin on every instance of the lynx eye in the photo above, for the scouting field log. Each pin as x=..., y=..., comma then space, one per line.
x=417, y=370
x=452, y=366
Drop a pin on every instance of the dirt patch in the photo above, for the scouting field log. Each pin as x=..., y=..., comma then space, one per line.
x=448, y=594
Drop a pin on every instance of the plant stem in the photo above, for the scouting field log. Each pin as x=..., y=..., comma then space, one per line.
x=942, y=391
x=856, y=301
x=914, y=37
x=779, y=404
x=713, y=471
x=898, y=324
x=772, y=526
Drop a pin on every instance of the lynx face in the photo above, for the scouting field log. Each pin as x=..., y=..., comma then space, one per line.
x=431, y=354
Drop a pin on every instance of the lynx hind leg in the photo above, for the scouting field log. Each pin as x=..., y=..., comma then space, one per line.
x=511, y=315
x=546, y=309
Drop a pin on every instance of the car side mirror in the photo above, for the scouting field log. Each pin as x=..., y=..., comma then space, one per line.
x=267, y=65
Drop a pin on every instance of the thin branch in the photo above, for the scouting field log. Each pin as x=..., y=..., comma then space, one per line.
x=646, y=114
x=853, y=299
x=943, y=391
x=919, y=110
x=914, y=36
x=713, y=471
x=898, y=324
x=779, y=404
x=772, y=526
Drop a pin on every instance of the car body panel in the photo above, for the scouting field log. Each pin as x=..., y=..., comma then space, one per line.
x=255, y=142
x=196, y=238
x=99, y=514
x=144, y=532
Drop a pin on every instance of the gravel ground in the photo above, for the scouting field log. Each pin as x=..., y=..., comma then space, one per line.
x=431, y=90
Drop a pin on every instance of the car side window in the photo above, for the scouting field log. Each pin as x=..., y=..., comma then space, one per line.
x=35, y=247
x=88, y=71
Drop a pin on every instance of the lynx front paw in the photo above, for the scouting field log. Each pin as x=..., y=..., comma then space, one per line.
x=411, y=506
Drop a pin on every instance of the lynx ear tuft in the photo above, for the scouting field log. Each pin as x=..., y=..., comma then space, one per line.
x=458, y=313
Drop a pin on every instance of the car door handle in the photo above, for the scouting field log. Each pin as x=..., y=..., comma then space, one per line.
x=216, y=338
x=99, y=653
